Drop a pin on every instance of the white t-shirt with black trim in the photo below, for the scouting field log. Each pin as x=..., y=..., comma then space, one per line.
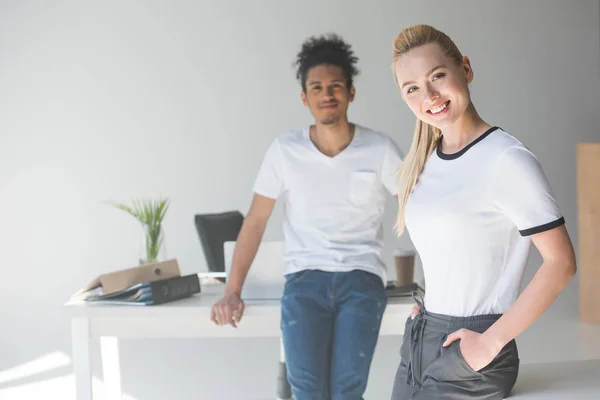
x=334, y=206
x=470, y=216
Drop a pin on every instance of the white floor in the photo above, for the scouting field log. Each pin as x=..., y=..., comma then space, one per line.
x=558, y=381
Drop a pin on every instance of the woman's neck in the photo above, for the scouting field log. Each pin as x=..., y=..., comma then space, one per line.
x=464, y=131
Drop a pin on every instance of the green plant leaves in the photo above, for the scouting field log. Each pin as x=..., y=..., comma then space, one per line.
x=150, y=213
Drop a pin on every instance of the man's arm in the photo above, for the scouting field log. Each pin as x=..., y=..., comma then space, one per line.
x=230, y=308
x=248, y=241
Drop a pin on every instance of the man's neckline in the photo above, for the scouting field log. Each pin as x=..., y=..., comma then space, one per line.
x=352, y=142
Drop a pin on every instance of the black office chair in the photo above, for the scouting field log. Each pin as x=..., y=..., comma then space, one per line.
x=214, y=230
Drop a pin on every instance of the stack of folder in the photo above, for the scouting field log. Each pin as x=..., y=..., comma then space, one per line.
x=144, y=285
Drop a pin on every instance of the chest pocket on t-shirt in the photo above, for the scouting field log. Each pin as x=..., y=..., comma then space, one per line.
x=362, y=187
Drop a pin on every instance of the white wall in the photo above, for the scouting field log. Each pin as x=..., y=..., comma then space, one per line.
x=117, y=99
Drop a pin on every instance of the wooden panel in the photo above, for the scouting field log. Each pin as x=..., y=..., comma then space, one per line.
x=588, y=199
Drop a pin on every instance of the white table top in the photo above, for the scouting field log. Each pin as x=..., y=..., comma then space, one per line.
x=261, y=317
x=198, y=305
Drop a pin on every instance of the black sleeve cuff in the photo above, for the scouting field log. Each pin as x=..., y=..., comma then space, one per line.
x=542, y=228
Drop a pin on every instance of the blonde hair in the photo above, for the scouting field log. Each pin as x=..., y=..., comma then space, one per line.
x=426, y=136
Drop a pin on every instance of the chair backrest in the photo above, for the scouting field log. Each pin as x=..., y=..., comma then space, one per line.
x=214, y=230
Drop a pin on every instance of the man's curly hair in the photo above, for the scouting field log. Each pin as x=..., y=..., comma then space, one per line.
x=326, y=49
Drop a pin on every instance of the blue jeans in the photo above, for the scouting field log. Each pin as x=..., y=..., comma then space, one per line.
x=330, y=325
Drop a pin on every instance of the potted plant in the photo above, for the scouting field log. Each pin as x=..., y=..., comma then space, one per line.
x=150, y=213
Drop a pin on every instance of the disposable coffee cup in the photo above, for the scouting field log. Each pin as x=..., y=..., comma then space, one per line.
x=404, y=260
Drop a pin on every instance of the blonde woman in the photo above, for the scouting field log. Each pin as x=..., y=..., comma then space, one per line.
x=473, y=199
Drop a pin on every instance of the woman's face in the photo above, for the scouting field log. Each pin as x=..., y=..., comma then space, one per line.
x=434, y=87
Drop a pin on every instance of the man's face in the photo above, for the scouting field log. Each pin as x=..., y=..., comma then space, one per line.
x=327, y=94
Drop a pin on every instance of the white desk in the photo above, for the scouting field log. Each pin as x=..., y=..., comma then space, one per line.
x=187, y=318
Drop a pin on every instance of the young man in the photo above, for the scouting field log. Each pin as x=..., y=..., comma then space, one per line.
x=334, y=174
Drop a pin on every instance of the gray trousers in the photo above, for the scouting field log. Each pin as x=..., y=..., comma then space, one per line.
x=427, y=371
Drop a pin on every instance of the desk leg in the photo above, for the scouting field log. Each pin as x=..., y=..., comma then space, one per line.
x=82, y=366
x=283, y=386
x=111, y=367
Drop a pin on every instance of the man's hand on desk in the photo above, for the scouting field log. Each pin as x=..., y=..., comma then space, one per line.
x=228, y=310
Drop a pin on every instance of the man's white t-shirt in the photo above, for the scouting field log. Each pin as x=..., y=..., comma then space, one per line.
x=470, y=216
x=334, y=206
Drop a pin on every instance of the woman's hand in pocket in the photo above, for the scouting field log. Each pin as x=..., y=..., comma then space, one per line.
x=477, y=350
x=415, y=311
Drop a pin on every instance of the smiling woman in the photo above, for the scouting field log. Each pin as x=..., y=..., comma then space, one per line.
x=439, y=96
x=481, y=200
